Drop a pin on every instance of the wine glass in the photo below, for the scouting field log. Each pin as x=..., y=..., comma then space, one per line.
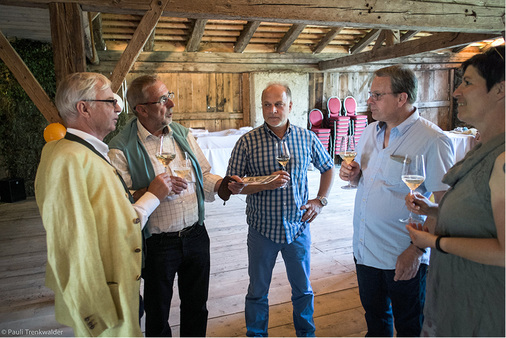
x=166, y=151
x=413, y=175
x=282, y=155
x=184, y=167
x=347, y=153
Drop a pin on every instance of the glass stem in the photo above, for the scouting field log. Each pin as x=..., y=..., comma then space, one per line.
x=410, y=217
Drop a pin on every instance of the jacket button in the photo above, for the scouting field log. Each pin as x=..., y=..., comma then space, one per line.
x=137, y=250
x=137, y=220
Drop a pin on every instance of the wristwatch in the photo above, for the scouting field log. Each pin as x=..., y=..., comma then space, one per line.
x=323, y=200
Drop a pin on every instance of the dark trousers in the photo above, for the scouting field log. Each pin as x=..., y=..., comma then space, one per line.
x=186, y=254
x=385, y=300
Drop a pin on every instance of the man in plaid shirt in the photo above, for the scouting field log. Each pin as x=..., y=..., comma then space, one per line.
x=279, y=213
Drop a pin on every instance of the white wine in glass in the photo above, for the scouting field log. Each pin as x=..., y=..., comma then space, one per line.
x=166, y=151
x=282, y=155
x=183, y=170
x=413, y=175
x=347, y=153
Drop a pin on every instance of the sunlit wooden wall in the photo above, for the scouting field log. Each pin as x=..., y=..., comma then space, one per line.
x=212, y=101
x=219, y=101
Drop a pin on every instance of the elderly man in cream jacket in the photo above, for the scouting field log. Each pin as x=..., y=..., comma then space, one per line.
x=94, y=241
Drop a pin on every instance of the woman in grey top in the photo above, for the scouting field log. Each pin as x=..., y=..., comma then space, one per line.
x=465, y=287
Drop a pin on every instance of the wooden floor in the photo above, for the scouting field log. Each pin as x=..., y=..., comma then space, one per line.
x=27, y=306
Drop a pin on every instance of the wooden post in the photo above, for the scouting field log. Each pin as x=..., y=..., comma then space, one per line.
x=67, y=34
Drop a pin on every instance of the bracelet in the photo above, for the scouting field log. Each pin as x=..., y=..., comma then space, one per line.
x=438, y=246
x=421, y=249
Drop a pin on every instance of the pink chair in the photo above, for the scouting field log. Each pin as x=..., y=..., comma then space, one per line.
x=340, y=123
x=358, y=122
x=316, y=120
x=334, y=107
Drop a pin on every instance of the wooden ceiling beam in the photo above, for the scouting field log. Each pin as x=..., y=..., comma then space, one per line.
x=134, y=48
x=462, y=16
x=27, y=81
x=331, y=34
x=193, y=44
x=427, y=44
x=392, y=37
x=290, y=36
x=150, y=44
x=379, y=40
x=365, y=41
x=246, y=35
x=408, y=35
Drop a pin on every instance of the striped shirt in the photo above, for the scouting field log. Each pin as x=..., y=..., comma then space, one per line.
x=276, y=213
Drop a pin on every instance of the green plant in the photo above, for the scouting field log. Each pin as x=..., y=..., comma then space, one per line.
x=22, y=124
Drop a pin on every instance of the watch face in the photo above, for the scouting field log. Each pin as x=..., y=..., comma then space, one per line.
x=324, y=201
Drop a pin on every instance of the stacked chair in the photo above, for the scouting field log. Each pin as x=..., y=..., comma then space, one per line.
x=340, y=124
x=316, y=124
x=358, y=122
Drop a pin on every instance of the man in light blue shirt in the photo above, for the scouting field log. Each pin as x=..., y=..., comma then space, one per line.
x=390, y=270
x=278, y=216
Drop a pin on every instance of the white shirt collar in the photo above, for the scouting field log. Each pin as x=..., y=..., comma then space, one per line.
x=100, y=146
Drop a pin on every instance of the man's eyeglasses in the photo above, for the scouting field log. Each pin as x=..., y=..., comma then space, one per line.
x=377, y=96
x=163, y=100
x=114, y=102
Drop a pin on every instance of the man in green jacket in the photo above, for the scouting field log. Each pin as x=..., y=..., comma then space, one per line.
x=176, y=237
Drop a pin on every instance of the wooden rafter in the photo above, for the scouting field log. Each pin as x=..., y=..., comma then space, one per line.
x=392, y=37
x=199, y=26
x=134, y=48
x=246, y=35
x=379, y=40
x=150, y=44
x=408, y=35
x=26, y=79
x=290, y=37
x=431, y=43
x=331, y=34
x=365, y=41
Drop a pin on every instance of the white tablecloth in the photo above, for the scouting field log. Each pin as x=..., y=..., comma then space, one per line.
x=217, y=147
x=462, y=143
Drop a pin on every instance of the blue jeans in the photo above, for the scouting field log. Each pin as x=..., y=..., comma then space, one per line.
x=188, y=256
x=384, y=300
x=262, y=253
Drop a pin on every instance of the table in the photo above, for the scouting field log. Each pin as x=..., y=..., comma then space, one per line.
x=462, y=143
x=217, y=147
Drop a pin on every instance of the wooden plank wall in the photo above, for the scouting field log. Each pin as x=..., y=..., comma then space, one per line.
x=219, y=101
x=434, y=92
x=212, y=101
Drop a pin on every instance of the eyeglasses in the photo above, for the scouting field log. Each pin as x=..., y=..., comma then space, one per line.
x=163, y=100
x=377, y=96
x=114, y=102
